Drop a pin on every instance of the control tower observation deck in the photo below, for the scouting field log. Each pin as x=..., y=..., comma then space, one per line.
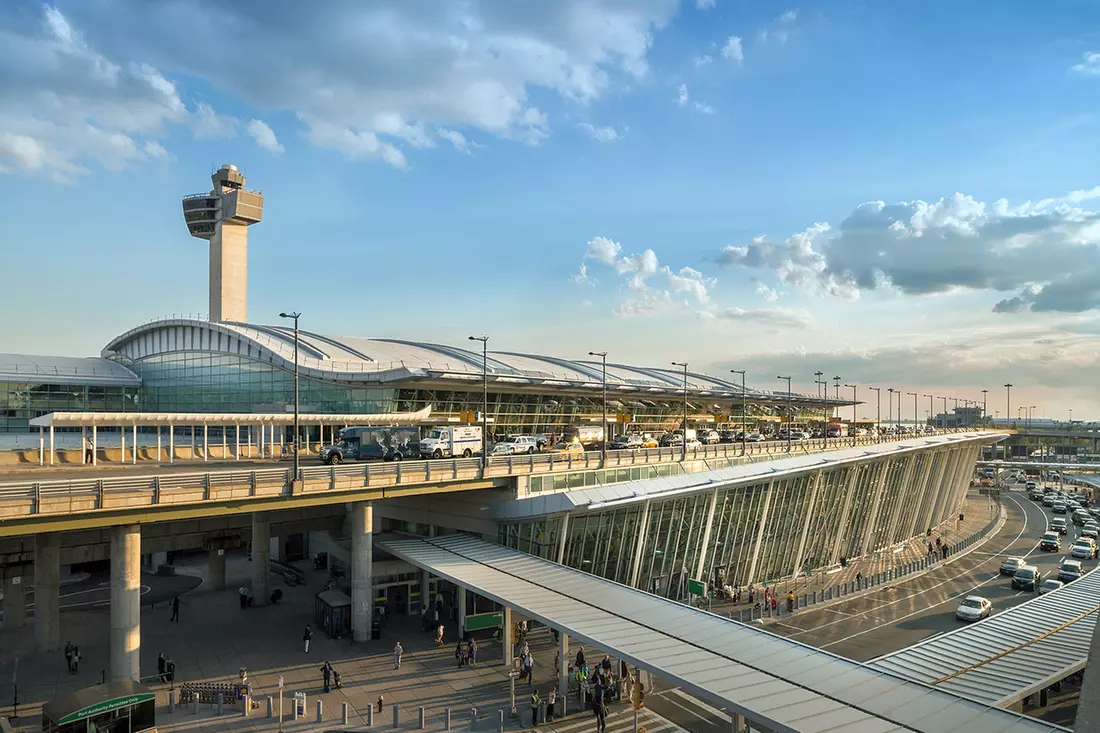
x=223, y=216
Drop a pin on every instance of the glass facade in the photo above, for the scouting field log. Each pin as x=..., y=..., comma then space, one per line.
x=22, y=401
x=764, y=531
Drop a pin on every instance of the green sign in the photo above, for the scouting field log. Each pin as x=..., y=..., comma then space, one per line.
x=107, y=706
x=697, y=587
x=479, y=621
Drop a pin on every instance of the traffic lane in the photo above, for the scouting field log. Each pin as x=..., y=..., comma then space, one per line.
x=683, y=710
x=895, y=616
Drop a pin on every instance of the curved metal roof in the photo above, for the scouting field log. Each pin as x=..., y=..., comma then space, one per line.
x=66, y=370
x=386, y=360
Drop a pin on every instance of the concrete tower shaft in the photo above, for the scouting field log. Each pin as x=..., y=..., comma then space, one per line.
x=223, y=216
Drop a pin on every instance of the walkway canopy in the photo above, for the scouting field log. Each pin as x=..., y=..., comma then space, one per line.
x=1011, y=655
x=224, y=419
x=776, y=682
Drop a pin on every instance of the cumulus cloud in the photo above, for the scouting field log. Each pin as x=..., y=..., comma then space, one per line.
x=652, y=286
x=683, y=99
x=1090, y=64
x=779, y=318
x=702, y=60
x=208, y=124
x=600, y=134
x=374, y=80
x=264, y=136
x=732, y=50
x=779, y=29
x=705, y=4
x=1048, y=251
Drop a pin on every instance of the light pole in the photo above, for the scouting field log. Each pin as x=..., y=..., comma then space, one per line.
x=956, y=410
x=854, y=400
x=684, y=444
x=914, y=411
x=931, y=408
x=1008, y=402
x=1071, y=416
x=484, y=400
x=890, y=404
x=1030, y=417
x=297, y=465
x=824, y=407
x=744, y=404
x=603, y=441
x=878, y=413
x=985, y=404
x=789, y=411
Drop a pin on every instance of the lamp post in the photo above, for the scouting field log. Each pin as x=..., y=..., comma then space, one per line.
x=603, y=440
x=824, y=406
x=1008, y=402
x=914, y=411
x=484, y=400
x=789, y=411
x=297, y=465
x=1030, y=417
x=744, y=404
x=985, y=404
x=1071, y=416
x=878, y=413
x=854, y=400
x=931, y=408
x=890, y=404
x=684, y=443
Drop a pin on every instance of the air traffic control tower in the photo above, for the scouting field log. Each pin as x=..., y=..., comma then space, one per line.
x=223, y=217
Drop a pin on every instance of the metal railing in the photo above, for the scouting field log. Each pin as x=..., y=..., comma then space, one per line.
x=87, y=494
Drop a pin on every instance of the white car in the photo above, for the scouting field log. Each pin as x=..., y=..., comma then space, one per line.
x=754, y=438
x=1050, y=584
x=974, y=608
x=517, y=445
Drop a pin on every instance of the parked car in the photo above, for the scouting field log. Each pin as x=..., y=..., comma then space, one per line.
x=1050, y=542
x=1010, y=565
x=709, y=437
x=519, y=444
x=729, y=436
x=754, y=438
x=974, y=608
x=627, y=442
x=1050, y=584
x=568, y=448
x=1027, y=577
x=1070, y=571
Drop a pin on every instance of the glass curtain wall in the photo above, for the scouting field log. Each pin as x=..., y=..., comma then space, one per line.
x=21, y=401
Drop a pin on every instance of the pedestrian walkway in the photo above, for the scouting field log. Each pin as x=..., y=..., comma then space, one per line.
x=620, y=719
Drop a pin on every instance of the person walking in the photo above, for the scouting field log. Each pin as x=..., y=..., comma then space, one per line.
x=790, y=601
x=529, y=668
x=306, y=636
x=598, y=708
x=439, y=635
x=534, y=708
x=551, y=704
x=243, y=593
x=398, y=650
x=170, y=670
x=69, y=656
x=89, y=451
x=175, y=609
x=471, y=650
x=76, y=659
x=579, y=661
x=162, y=667
x=326, y=676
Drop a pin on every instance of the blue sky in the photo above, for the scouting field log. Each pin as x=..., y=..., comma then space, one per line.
x=713, y=169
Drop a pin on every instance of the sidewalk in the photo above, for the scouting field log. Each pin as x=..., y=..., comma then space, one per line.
x=978, y=511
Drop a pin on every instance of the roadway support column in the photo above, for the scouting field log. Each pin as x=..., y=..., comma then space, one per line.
x=461, y=611
x=563, y=665
x=362, y=586
x=95, y=445
x=171, y=443
x=216, y=569
x=135, y=442
x=261, y=548
x=506, y=638
x=47, y=577
x=15, y=601
x=125, y=603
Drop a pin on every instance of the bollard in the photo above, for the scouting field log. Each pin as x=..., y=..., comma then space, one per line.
x=500, y=721
x=420, y=718
x=370, y=715
x=171, y=699
x=294, y=708
x=320, y=712
x=221, y=702
x=195, y=704
x=396, y=711
x=446, y=719
x=246, y=708
x=473, y=718
x=270, y=707
x=344, y=713
x=803, y=601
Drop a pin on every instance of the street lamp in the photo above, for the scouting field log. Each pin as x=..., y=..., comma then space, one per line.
x=914, y=411
x=878, y=413
x=743, y=407
x=603, y=430
x=789, y=411
x=824, y=406
x=1030, y=417
x=684, y=444
x=484, y=400
x=297, y=465
x=985, y=404
x=890, y=404
x=931, y=408
x=1008, y=402
x=955, y=422
x=854, y=400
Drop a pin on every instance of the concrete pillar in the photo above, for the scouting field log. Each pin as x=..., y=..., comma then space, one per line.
x=425, y=590
x=261, y=544
x=461, y=610
x=135, y=442
x=171, y=443
x=51, y=444
x=506, y=638
x=563, y=659
x=215, y=569
x=15, y=601
x=47, y=572
x=362, y=591
x=126, y=603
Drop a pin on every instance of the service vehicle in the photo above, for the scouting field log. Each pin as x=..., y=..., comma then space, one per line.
x=518, y=444
x=1050, y=542
x=837, y=430
x=590, y=436
x=365, y=443
x=451, y=441
x=974, y=608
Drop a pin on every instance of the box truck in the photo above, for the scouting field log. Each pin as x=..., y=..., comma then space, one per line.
x=392, y=443
x=451, y=441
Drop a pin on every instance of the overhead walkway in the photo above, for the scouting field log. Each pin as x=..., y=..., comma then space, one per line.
x=1012, y=655
x=774, y=682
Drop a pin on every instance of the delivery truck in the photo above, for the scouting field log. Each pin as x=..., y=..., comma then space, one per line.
x=387, y=443
x=451, y=441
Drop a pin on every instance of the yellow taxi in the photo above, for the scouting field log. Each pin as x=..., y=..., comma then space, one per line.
x=568, y=448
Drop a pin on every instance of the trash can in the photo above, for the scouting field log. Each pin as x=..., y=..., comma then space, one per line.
x=375, y=629
x=300, y=702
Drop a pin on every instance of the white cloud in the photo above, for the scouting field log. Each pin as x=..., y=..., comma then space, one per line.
x=779, y=29
x=639, y=272
x=702, y=60
x=732, y=50
x=208, y=124
x=789, y=16
x=1047, y=251
x=683, y=99
x=601, y=134
x=682, y=95
x=778, y=318
x=769, y=294
x=702, y=108
x=455, y=138
x=705, y=4
x=64, y=105
x=377, y=79
x=1090, y=64
x=264, y=136
x=581, y=277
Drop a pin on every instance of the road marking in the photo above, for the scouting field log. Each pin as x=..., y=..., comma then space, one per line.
x=919, y=593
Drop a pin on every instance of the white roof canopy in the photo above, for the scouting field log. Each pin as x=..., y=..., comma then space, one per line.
x=79, y=419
